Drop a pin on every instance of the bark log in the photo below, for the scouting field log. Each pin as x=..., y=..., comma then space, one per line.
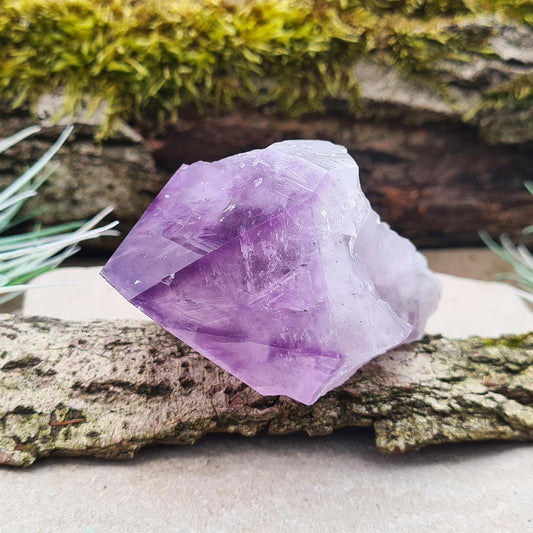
x=120, y=172
x=436, y=183
x=108, y=388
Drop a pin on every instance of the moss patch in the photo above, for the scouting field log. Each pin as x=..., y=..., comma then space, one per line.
x=155, y=57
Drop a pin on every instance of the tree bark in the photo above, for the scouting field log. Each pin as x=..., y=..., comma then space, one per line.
x=436, y=183
x=108, y=388
x=90, y=176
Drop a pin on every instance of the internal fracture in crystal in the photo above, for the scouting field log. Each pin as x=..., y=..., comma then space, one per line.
x=272, y=264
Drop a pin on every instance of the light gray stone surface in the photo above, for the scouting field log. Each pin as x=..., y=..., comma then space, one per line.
x=473, y=307
x=467, y=307
x=228, y=484
x=84, y=296
x=232, y=484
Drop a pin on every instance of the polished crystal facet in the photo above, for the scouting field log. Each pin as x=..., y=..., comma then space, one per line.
x=272, y=264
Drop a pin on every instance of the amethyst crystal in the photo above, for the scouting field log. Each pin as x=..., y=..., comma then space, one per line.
x=272, y=264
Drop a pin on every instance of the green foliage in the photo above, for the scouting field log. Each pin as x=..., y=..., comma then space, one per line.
x=518, y=256
x=518, y=10
x=519, y=89
x=155, y=57
x=24, y=256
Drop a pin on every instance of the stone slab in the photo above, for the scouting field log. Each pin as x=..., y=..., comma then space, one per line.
x=230, y=484
x=467, y=307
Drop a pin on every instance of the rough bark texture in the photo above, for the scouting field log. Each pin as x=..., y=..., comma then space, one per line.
x=106, y=389
x=436, y=183
x=90, y=176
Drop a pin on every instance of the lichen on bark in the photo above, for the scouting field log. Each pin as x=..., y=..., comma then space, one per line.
x=108, y=388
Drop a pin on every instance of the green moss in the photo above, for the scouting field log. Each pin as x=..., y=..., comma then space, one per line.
x=154, y=57
x=517, y=10
x=519, y=90
x=510, y=341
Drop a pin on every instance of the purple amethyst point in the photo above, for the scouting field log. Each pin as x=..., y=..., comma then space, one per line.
x=272, y=264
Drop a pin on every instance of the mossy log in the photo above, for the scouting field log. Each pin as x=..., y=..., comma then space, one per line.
x=470, y=59
x=108, y=388
x=441, y=157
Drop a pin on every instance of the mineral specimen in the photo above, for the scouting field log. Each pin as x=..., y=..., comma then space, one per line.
x=272, y=264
